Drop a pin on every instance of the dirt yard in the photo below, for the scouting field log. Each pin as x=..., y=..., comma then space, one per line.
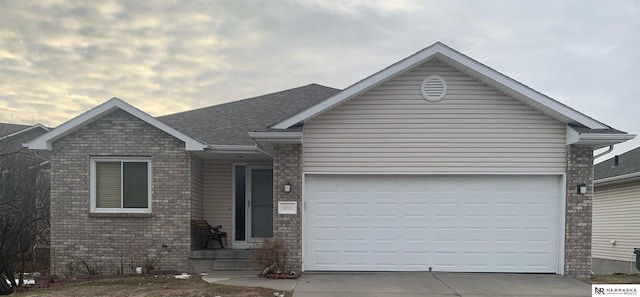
x=148, y=286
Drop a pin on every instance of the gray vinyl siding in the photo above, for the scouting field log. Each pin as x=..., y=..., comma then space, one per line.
x=218, y=184
x=475, y=128
x=196, y=188
x=616, y=216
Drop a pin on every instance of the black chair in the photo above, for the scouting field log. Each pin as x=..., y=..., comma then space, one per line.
x=205, y=232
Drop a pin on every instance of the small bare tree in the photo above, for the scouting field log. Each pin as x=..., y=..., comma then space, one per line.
x=24, y=213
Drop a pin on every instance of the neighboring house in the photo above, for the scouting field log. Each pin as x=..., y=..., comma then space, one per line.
x=436, y=162
x=13, y=136
x=13, y=155
x=12, y=140
x=616, y=214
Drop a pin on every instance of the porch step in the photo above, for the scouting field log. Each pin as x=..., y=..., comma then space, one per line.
x=211, y=265
x=221, y=260
x=232, y=265
x=223, y=254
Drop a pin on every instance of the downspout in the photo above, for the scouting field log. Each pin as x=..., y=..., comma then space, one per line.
x=603, y=153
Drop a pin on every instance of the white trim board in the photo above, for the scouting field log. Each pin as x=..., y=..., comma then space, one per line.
x=44, y=141
x=463, y=63
x=598, y=140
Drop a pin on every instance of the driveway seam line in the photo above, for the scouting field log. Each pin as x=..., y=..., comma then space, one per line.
x=454, y=291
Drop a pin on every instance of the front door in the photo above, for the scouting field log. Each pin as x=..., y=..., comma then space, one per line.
x=253, y=204
x=260, y=202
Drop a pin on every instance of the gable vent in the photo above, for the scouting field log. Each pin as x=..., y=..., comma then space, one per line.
x=433, y=88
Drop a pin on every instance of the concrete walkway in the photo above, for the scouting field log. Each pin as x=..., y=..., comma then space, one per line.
x=437, y=284
x=249, y=279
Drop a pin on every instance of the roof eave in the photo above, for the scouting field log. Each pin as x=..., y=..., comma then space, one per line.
x=617, y=179
x=266, y=140
x=597, y=140
x=277, y=136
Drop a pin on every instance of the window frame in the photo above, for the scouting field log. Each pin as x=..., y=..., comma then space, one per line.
x=93, y=184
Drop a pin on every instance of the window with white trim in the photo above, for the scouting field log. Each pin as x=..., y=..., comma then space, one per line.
x=121, y=185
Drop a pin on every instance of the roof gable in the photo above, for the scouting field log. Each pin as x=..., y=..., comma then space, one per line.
x=44, y=141
x=464, y=64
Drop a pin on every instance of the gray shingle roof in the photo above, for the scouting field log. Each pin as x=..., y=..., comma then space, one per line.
x=229, y=123
x=628, y=162
x=6, y=128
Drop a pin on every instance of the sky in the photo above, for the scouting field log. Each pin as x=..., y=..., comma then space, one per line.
x=59, y=58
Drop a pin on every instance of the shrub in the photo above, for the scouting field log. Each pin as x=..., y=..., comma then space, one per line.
x=271, y=256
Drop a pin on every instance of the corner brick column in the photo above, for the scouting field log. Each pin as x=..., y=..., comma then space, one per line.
x=577, y=244
x=287, y=167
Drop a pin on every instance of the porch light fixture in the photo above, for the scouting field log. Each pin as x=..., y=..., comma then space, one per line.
x=582, y=189
x=287, y=187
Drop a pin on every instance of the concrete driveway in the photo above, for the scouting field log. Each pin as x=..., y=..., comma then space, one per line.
x=437, y=284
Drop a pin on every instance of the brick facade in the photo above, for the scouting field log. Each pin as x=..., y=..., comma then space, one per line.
x=287, y=167
x=577, y=245
x=112, y=241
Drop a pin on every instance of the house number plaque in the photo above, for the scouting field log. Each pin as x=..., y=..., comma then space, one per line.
x=287, y=207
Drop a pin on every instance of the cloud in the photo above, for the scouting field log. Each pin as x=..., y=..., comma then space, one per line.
x=58, y=58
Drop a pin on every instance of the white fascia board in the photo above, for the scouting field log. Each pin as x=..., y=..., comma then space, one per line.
x=450, y=55
x=605, y=137
x=44, y=141
x=24, y=130
x=232, y=148
x=617, y=179
x=276, y=136
x=235, y=149
x=597, y=139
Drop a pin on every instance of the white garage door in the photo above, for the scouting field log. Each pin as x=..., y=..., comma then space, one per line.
x=448, y=223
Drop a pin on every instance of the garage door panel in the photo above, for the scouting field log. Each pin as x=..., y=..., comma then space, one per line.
x=356, y=210
x=415, y=235
x=356, y=234
x=449, y=223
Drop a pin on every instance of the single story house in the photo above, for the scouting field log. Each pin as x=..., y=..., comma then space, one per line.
x=437, y=162
x=616, y=214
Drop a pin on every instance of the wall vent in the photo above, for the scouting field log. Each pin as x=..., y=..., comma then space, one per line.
x=433, y=88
